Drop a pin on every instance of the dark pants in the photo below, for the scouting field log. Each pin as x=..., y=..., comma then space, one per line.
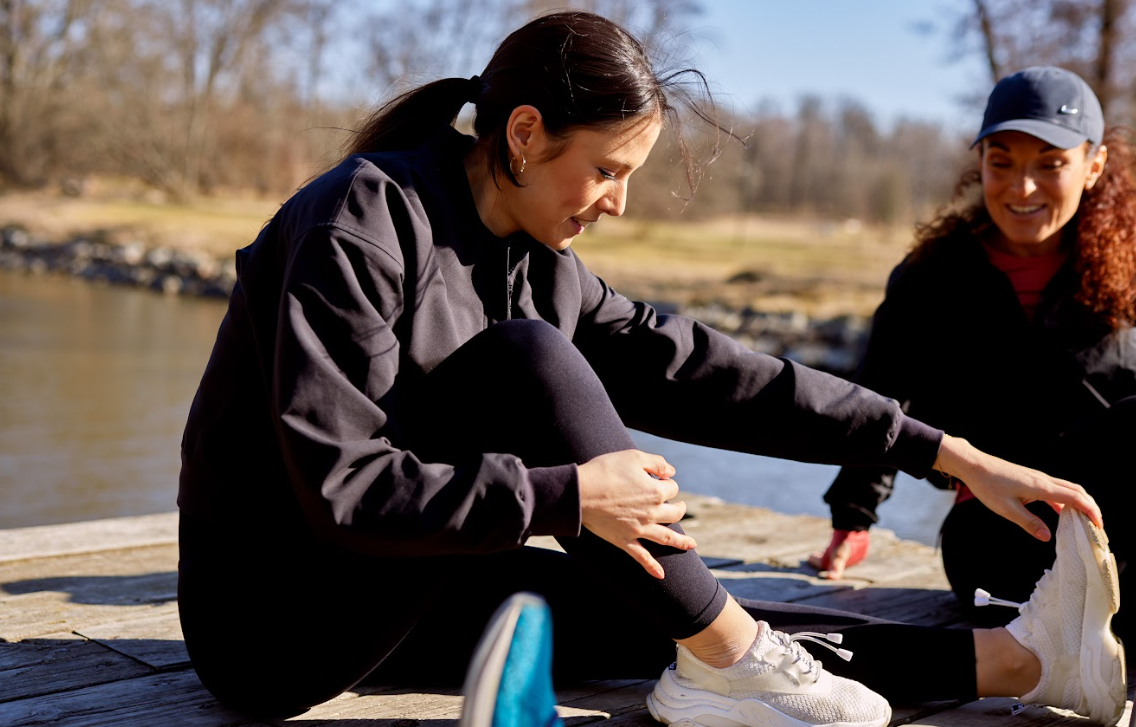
x=983, y=550
x=275, y=624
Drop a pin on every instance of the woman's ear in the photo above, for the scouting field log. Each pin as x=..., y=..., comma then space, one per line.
x=1096, y=166
x=525, y=133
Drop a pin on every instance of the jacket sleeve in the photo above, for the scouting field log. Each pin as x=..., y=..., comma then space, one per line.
x=673, y=376
x=857, y=491
x=334, y=391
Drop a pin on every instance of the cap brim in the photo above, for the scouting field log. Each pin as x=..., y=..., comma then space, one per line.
x=1050, y=133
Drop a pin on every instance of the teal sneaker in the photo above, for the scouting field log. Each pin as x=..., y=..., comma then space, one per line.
x=509, y=682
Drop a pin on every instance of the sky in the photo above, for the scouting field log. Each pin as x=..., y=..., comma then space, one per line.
x=780, y=50
x=869, y=50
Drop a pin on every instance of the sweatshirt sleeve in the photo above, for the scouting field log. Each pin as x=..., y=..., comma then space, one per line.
x=675, y=377
x=334, y=390
x=858, y=491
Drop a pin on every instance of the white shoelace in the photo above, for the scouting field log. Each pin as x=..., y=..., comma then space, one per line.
x=791, y=643
x=982, y=597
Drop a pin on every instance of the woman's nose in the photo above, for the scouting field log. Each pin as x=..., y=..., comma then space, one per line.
x=1024, y=185
x=614, y=202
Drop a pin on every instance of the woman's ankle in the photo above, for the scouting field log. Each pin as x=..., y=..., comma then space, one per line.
x=1004, y=667
x=726, y=640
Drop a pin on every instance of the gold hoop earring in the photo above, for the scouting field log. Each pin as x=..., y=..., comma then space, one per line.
x=517, y=172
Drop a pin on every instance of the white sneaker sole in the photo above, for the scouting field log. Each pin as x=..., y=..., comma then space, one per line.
x=1103, y=675
x=676, y=705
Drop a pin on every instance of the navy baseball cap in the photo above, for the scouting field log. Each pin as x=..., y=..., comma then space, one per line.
x=1051, y=103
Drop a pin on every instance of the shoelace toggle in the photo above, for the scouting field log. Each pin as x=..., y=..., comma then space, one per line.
x=982, y=597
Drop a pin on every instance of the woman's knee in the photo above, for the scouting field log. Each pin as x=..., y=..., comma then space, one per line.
x=530, y=338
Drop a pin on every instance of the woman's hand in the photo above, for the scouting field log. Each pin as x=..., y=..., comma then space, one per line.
x=1007, y=488
x=847, y=548
x=621, y=502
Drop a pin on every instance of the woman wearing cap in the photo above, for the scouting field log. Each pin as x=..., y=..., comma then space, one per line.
x=416, y=374
x=1011, y=323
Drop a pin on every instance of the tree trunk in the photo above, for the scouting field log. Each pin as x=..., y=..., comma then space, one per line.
x=988, y=40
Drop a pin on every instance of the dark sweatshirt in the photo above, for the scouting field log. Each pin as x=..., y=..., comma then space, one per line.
x=376, y=272
x=952, y=342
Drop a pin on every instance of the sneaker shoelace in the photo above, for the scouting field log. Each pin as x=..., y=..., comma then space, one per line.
x=982, y=597
x=801, y=657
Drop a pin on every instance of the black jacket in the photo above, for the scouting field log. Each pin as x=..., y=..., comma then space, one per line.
x=377, y=271
x=952, y=343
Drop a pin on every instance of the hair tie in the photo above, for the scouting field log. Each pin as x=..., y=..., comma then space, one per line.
x=473, y=89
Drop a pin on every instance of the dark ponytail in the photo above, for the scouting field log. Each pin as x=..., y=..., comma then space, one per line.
x=579, y=69
x=405, y=121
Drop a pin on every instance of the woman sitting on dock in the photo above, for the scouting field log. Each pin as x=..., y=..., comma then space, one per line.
x=416, y=374
x=1011, y=323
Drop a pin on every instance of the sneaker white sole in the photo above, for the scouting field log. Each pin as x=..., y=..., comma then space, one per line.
x=676, y=705
x=1103, y=675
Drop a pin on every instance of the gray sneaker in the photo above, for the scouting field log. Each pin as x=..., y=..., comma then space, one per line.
x=1067, y=624
x=776, y=684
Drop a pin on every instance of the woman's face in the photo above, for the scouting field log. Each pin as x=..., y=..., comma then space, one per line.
x=560, y=197
x=1033, y=189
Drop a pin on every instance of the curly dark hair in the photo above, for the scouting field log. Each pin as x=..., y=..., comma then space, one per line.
x=1103, y=248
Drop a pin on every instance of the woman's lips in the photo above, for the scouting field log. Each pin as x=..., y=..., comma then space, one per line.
x=580, y=224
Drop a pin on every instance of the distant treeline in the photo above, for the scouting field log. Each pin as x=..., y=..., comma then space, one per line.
x=204, y=97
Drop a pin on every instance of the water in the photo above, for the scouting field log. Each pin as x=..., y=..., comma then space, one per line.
x=96, y=382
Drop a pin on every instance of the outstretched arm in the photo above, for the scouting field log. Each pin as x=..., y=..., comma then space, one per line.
x=1006, y=488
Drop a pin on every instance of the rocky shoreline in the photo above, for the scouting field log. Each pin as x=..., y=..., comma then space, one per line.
x=830, y=344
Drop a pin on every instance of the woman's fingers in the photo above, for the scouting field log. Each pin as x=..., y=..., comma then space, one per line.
x=656, y=465
x=625, y=497
x=663, y=535
x=670, y=512
x=1017, y=513
x=645, y=559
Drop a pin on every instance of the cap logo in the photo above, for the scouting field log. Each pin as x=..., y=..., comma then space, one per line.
x=1066, y=110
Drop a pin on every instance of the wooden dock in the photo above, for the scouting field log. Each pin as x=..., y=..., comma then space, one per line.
x=89, y=630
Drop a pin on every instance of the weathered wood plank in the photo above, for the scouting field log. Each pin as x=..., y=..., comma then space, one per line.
x=752, y=534
x=155, y=639
x=595, y=702
x=59, y=663
x=762, y=582
x=175, y=699
x=121, y=597
x=72, y=592
x=383, y=706
x=927, y=607
x=87, y=537
x=996, y=712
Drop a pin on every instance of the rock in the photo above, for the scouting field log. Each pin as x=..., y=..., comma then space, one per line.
x=170, y=284
x=16, y=237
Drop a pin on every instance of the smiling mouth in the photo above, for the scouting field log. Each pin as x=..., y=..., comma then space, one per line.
x=1024, y=210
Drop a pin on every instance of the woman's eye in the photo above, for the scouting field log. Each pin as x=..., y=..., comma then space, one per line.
x=608, y=175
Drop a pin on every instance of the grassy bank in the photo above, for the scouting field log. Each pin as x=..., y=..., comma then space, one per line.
x=823, y=269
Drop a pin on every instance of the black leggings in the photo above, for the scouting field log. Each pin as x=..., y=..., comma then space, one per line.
x=1093, y=454
x=275, y=625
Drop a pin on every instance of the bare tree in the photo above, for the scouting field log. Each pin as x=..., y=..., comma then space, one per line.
x=1094, y=38
x=982, y=18
x=38, y=57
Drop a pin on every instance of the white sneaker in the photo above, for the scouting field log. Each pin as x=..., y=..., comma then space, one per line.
x=1066, y=624
x=776, y=684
